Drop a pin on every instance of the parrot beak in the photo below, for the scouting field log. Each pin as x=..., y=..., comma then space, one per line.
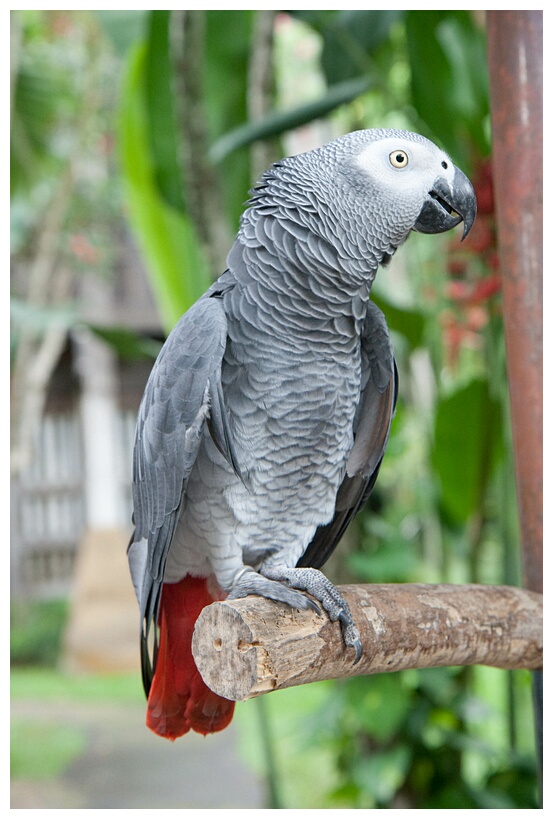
x=447, y=205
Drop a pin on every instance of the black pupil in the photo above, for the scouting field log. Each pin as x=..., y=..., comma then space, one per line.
x=400, y=158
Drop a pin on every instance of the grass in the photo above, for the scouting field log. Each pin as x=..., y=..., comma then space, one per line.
x=42, y=748
x=51, y=684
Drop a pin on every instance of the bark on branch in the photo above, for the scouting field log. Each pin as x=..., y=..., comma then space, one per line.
x=244, y=648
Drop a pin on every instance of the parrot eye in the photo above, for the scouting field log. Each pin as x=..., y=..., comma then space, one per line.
x=399, y=159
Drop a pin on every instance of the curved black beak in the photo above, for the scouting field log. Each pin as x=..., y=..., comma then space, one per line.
x=447, y=205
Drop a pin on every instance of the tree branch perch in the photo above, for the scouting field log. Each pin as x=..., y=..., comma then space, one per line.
x=244, y=648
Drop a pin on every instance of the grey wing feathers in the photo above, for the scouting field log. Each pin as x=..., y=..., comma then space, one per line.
x=371, y=432
x=183, y=393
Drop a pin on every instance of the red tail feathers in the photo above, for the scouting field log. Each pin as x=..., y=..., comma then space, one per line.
x=179, y=699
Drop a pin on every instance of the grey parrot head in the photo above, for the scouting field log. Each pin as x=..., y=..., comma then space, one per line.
x=403, y=181
x=416, y=172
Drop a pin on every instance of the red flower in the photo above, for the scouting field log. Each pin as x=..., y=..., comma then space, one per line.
x=83, y=250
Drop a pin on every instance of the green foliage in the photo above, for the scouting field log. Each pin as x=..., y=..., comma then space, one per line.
x=43, y=103
x=385, y=551
x=350, y=39
x=227, y=50
x=65, y=206
x=166, y=235
x=302, y=755
x=417, y=739
x=447, y=56
x=467, y=439
x=228, y=37
x=36, y=631
x=281, y=121
x=43, y=750
x=50, y=684
x=403, y=740
x=128, y=345
x=409, y=323
x=123, y=27
x=159, y=100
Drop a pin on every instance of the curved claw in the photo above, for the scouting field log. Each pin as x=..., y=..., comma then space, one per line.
x=358, y=646
x=351, y=635
x=315, y=583
x=312, y=605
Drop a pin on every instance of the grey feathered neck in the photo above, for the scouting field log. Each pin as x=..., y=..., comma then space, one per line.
x=308, y=210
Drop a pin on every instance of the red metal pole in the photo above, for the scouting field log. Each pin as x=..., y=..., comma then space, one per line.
x=515, y=59
x=516, y=83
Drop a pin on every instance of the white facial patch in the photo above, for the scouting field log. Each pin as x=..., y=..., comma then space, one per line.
x=420, y=165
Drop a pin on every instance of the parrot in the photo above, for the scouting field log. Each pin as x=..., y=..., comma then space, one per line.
x=267, y=413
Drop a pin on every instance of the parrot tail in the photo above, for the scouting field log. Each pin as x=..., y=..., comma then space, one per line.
x=179, y=700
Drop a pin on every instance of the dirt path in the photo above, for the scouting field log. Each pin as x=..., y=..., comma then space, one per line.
x=125, y=766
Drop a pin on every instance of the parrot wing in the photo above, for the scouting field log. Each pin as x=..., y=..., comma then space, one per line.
x=183, y=394
x=371, y=432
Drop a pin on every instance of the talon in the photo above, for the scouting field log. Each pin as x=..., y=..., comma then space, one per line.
x=315, y=583
x=358, y=646
x=312, y=605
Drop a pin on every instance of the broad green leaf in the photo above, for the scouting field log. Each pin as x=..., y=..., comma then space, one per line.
x=317, y=19
x=226, y=66
x=395, y=562
x=166, y=237
x=124, y=27
x=162, y=124
x=431, y=73
x=382, y=773
x=228, y=42
x=408, y=323
x=447, y=57
x=465, y=46
x=382, y=703
x=349, y=38
x=467, y=440
x=280, y=121
x=126, y=343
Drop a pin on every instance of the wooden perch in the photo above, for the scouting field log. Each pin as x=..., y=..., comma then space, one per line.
x=247, y=647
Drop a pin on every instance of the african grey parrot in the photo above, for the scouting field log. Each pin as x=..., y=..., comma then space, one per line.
x=267, y=413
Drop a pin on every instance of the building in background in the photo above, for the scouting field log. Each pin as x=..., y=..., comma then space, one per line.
x=71, y=504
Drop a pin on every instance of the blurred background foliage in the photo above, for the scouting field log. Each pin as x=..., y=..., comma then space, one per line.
x=165, y=119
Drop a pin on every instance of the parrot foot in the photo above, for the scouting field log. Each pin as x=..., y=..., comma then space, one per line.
x=251, y=582
x=315, y=583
